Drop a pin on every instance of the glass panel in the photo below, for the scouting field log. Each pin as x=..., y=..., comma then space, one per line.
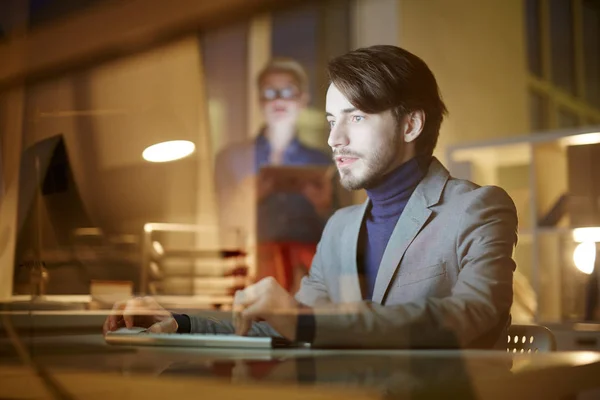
x=564, y=289
x=572, y=173
x=95, y=208
x=87, y=190
x=225, y=58
x=532, y=26
x=551, y=186
x=43, y=11
x=13, y=14
x=584, y=211
x=538, y=111
x=562, y=49
x=591, y=50
x=311, y=35
x=294, y=34
x=567, y=119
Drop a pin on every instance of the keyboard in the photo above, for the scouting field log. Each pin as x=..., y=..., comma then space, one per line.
x=140, y=337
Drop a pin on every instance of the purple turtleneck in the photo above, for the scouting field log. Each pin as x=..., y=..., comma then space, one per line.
x=388, y=199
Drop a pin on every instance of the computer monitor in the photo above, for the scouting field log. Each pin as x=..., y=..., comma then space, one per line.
x=55, y=229
x=49, y=211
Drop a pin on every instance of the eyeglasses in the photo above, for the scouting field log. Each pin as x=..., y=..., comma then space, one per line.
x=287, y=93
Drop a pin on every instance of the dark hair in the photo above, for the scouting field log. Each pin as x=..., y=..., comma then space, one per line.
x=379, y=78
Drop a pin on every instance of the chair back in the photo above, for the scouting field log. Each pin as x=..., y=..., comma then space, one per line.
x=530, y=339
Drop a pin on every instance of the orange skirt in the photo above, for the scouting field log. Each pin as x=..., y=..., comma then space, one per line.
x=287, y=262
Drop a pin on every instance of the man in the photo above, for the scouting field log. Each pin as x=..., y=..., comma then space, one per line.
x=288, y=225
x=425, y=262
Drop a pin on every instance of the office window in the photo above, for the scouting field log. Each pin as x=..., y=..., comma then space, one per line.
x=563, y=53
x=312, y=34
x=538, y=108
x=534, y=47
x=567, y=118
x=294, y=34
x=562, y=49
x=224, y=56
x=591, y=50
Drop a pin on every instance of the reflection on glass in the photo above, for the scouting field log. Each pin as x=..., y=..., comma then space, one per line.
x=168, y=151
x=584, y=257
x=532, y=25
x=562, y=45
x=86, y=191
x=591, y=50
x=45, y=11
x=289, y=216
x=567, y=119
x=538, y=111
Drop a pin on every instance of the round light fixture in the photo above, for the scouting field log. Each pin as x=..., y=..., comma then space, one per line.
x=168, y=151
x=584, y=257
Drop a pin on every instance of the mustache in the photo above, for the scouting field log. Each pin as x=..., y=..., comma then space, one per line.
x=345, y=153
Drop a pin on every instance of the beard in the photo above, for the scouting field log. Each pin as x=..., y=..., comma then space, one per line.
x=374, y=167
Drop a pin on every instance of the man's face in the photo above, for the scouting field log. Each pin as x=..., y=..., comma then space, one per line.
x=365, y=146
x=281, y=99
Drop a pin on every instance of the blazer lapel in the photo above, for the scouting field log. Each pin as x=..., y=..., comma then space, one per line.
x=349, y=285
x=415, y=215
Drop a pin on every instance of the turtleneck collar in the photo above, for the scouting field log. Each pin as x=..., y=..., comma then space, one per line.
x=396, y=187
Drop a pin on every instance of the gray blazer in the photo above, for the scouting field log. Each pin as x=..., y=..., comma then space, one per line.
x=445, y=279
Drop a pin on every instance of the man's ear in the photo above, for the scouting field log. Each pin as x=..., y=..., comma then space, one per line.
x=414, y=122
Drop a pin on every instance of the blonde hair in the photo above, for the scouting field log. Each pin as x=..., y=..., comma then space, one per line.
x=288, y=66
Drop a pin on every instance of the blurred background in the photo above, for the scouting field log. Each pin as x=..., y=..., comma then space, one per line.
x=86, y=86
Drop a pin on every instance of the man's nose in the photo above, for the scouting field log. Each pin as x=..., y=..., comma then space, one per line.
x=337, y=137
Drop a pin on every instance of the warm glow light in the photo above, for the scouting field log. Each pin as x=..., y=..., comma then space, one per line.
x=586, y=357
x=584, y=257
x=591, y=234
x=168, y=151
x=583, y=139
x=158, y=248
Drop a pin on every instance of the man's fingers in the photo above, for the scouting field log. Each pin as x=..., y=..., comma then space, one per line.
x=116, y=314
x=247, y=296
x=167, y=325
x=241, y=301
x=107, y=327
x=140, y=310
x=242, y=325
x=134, y=308
x=247, y=317
x=238, y=307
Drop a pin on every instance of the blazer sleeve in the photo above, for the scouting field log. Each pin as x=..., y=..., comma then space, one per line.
x=313, y=290
x=479, y=304
x=199, y=324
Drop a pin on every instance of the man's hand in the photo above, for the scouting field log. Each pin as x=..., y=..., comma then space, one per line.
x=268, y=301
x=143, y=312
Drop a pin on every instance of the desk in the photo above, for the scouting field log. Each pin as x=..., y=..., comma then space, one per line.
x=89, y=368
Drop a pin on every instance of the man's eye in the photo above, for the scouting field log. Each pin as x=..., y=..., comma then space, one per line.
x=331, y=123
x=357, y=118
